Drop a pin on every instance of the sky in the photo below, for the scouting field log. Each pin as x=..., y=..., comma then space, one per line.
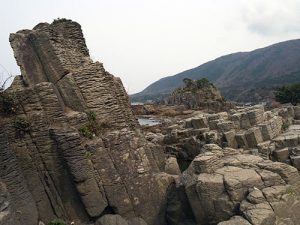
x=141, y=41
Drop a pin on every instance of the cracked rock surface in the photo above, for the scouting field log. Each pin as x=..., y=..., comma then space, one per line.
x=225, y=185
x=81, y=155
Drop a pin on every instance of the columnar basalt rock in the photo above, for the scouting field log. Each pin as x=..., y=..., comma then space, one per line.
x=73, y=149
x=221, y=183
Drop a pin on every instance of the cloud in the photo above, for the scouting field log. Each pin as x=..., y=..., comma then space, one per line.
x=272, y=17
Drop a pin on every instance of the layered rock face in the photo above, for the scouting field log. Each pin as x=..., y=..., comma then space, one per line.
x=7, y=215
x=232, y=178
x=238, y=189
x=55, y=161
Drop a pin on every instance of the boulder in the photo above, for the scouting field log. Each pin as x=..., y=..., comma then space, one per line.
x=199, y=122
x=253, y=137
x=230, y=139
x=241, y=140
x=109, y=219
x=296, y=161
x=136, y=221
x=222, y=182
x=235, y=220
x=282, y=155
x=172, y=167
x=297, y=112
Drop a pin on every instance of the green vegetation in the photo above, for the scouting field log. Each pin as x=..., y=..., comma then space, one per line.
x=188, y=82
x=86, y=130
x=93, y=127
x=291, y=192
x=288, y=94
x=57, y=222
x=203, y=83
x=194, y=85
x=284, y=126
x=234, y=81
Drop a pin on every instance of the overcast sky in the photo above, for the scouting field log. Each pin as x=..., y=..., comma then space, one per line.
x=144, y=40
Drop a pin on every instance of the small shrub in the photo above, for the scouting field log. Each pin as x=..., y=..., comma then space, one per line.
x=57, y=222
x=93, y=127
x=91, y=116
x=290, y=192
x=86, y=131
x=194, y=85
x=285, y=126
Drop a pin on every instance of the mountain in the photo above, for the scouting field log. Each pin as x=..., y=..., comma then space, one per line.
x=243, y=76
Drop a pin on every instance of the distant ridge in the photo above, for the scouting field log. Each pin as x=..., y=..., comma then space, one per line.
x=241, y=76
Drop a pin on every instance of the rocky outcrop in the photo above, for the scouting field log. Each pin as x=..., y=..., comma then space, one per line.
x=271, y=134
x=199, y=95
x=73, y=150
x=223, y=184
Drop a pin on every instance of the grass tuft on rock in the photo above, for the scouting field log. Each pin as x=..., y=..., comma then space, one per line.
x=57, y=222
x=93, y=127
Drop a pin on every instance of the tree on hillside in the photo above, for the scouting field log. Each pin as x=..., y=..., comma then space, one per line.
x=204, y=82
x=188, y=82
x=194, y=85
x=288, y=94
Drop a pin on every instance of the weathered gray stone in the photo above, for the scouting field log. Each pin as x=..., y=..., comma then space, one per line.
x=253, y=137
x=235, y=220
x=265, y=149
x=172, y=167
x=199, y=122
x=225, y=126
x=7, y=214
x=237, y=181
x=241, y=140
x=136, y=221
x=270, y=178
x=245, y=122
x=259, y=214
x=230, y=139
x=296, y=161
x=207, y=162
x=297, y=112
x=282, y=155
x=111, y=220
x=82, y=154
